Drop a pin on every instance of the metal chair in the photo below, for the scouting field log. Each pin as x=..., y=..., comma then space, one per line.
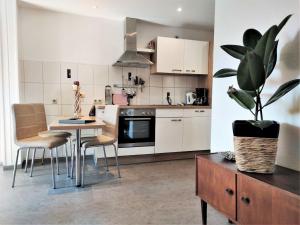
x=26, y=136
x=44, y=132
x=108, y=137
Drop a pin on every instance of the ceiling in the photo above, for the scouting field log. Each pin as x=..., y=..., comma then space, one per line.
x=195, y=14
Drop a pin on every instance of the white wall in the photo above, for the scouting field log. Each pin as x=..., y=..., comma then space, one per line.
x=148, y=31
x=232, y=18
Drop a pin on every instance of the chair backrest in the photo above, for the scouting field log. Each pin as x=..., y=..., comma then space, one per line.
x=25, y=121
x=111, y=119
x=41, y=120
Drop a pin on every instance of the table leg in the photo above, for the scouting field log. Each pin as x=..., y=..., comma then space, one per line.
x=204, y=212
x=78, y=160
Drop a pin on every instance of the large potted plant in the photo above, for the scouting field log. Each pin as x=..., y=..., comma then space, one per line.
x=255, y=141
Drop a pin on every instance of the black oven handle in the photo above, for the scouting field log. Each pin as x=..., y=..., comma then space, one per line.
x=137, y=119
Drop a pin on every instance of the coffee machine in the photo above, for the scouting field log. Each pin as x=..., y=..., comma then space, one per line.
x=201, y=96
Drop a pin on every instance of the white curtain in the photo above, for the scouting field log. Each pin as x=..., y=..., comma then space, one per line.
x=9, y=78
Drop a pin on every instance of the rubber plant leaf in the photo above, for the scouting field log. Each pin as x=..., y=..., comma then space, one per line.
x=243, y=75
x=283, y=90
x=256, y=69
x=283, y=22
x=235, y=51
x=242, y=98
x=251, y=37
x=272, y=60
x=225, y=73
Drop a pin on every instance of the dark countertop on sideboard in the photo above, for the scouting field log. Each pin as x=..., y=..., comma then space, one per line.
x=283, y=178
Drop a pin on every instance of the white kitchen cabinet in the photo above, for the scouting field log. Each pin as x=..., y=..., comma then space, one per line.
x=180, y=56
x=168, y=135
x=170, y=58
x=196, y=133
x=196, y=57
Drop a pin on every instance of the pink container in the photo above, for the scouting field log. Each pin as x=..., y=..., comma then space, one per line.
x=120, y=99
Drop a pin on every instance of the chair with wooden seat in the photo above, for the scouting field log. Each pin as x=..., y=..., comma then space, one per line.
x=41, y=119
x=108, y=137
x=26, y=136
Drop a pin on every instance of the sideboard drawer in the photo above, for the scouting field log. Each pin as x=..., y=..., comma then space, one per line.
x=217, y=186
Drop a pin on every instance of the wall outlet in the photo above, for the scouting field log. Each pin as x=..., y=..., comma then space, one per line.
x=69, y=73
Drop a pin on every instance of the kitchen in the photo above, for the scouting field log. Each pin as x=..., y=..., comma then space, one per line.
x=115, y=112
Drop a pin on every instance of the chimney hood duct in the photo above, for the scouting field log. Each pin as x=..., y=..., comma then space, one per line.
x=131, y=58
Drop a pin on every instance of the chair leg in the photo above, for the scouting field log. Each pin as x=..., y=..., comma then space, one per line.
x=117, y=161
x=43, y=156
x=105, y=158
x=15, y=168
x=72, y=161
x=32, y=161
x=52, y=167
x=57, y=162
x=67, y=160
x=27, y=157
x=83, y=168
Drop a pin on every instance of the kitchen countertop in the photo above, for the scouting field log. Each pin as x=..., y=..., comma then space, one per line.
x=159, y=107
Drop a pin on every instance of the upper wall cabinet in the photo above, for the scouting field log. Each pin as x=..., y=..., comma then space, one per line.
x=179, y=56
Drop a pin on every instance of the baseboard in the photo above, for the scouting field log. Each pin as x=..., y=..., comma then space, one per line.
x=136, y=159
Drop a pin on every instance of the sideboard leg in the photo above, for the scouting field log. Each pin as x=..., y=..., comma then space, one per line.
x=204, y=212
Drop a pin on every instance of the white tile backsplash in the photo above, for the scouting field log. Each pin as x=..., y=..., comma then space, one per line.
x=33, y=72
x=51, y=72
x=52, y=94
x=156, y=95
x=85, y=74
x=44, y=81
x=100, y=74
x=33, y=93
x=63, y=72
x=156, y=81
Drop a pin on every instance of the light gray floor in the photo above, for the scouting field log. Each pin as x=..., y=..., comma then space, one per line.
x=152, y=193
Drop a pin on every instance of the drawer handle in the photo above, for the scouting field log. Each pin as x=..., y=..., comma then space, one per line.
x=176, y=70
x=187, y=70
x=199, y=111
x=229, y=191
x=176, y=120
x=246, y=200
x=193, y=71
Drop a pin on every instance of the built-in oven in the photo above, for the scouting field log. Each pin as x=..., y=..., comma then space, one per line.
x=136, y=128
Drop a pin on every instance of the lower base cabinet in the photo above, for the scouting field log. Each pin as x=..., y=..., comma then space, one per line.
x=247, y=198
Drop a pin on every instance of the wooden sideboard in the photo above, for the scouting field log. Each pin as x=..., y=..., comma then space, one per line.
x=247, y=198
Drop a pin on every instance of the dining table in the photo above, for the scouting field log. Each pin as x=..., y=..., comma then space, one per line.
x=57, y=125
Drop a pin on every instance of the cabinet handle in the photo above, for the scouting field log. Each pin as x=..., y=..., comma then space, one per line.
x=176, y=120
x=229, y=191
x=176, y=70
x=246, y=200
x=187, y=71
x=193, y=71
x=199, y=111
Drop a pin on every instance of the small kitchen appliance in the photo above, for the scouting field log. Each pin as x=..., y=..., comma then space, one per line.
x=190, y=98
x=201, y=96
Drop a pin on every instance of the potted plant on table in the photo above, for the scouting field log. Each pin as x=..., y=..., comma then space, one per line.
x=255, y=141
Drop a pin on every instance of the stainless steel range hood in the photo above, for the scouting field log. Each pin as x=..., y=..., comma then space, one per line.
x=131, y=58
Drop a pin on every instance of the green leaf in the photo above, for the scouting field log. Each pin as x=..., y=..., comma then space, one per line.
x=266, y=44
x=252, y=93
x=272, y=60
x=283, y=22
x=243, y=76
x=225, y=73
x=282, y=90
x=242, y=98
x=235, y=51
x=251, y=37
x=262, y=124
x=256, y=69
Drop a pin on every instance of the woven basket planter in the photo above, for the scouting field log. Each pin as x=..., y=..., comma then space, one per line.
x=255, y=154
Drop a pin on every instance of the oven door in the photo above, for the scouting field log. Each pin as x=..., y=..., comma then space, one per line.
x=136, y=131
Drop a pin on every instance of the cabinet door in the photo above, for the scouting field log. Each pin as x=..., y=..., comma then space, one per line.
x=196, y=133
x=254, y=201
x=196, y=57
x=168, y=135
x=170, y=53
x=217, y=186
x=285, y=207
